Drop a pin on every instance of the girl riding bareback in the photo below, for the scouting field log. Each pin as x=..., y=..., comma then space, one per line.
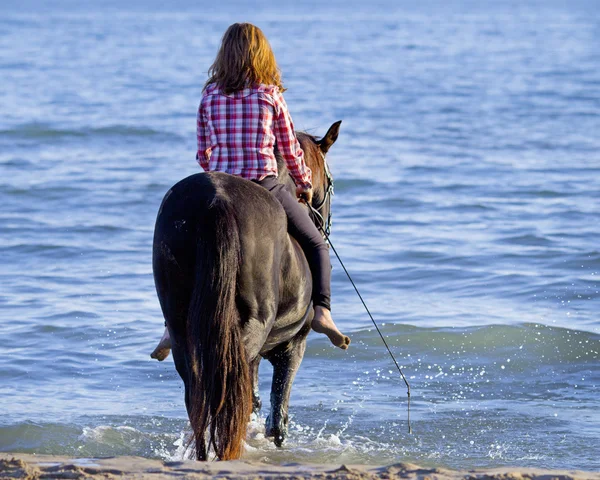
x=242, y=115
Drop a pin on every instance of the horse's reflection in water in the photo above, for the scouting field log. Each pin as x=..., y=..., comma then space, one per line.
x=234, y=287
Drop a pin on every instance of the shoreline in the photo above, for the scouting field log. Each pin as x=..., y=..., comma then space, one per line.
x=32, y=466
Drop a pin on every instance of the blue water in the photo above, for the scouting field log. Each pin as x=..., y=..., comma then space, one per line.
x=467, y=208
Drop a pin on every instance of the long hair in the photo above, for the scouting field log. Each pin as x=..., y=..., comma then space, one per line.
x=244, y=59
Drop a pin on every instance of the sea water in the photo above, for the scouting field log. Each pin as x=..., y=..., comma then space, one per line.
x=467, y=209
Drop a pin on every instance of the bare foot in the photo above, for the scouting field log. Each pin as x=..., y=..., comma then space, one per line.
x=323, y=323
x=163, y=348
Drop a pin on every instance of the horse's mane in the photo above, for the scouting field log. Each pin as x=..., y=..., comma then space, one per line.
x=314, y=160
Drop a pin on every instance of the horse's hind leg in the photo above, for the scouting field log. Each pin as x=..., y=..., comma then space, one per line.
x=256, y=401
x=286, y=359
x=174, y=293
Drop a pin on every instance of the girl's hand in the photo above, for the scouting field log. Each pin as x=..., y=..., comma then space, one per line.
x=304, y=194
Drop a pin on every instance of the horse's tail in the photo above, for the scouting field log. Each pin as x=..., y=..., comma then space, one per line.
x=220, y=399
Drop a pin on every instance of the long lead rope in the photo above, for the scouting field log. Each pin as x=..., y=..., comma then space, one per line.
x=319, y=216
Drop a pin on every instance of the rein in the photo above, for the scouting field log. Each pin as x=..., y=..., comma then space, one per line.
x=325, y=228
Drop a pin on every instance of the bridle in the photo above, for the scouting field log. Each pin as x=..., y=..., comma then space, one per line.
x=324, y=226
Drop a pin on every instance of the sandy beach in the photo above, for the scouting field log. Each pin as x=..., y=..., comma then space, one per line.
x=31, y=466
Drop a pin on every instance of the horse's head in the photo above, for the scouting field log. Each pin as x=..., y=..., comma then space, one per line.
x=314, y=156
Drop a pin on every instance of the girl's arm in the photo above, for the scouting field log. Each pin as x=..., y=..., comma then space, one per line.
x=288, y=144
x=204, y=150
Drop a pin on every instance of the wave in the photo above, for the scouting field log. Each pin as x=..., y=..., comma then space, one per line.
x=485, y=439
x=486, y=344
x=37, y=131
x=528, y=240
x=147, y=439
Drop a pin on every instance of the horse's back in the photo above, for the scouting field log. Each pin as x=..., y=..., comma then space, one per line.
x=190, y=198
x=184, y=215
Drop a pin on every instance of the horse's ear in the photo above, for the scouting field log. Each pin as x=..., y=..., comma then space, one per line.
x=330, y=137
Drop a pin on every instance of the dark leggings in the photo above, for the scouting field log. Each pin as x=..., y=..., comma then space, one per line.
x=301, y=227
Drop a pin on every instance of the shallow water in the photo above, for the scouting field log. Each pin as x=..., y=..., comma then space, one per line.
x=466, y=208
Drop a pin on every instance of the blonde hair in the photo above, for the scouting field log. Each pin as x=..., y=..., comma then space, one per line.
x=244, y=59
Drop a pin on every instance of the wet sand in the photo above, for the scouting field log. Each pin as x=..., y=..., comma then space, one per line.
x=29, y=466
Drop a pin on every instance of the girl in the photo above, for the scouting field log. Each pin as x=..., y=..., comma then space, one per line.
x=241, y=115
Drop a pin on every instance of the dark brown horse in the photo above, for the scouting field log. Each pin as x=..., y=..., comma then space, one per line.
x=234, y=287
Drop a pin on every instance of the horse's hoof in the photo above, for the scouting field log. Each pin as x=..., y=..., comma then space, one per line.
x=278, y=435
x=278, y=432
x=256, y=405
x=278, y=440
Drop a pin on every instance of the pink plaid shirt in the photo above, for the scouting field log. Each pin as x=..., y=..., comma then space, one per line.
x=237, y=134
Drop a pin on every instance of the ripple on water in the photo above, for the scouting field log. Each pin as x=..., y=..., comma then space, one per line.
x=45, y=132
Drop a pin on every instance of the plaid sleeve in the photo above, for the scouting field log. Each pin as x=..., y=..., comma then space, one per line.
x=288, y=144
x=203, y=153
